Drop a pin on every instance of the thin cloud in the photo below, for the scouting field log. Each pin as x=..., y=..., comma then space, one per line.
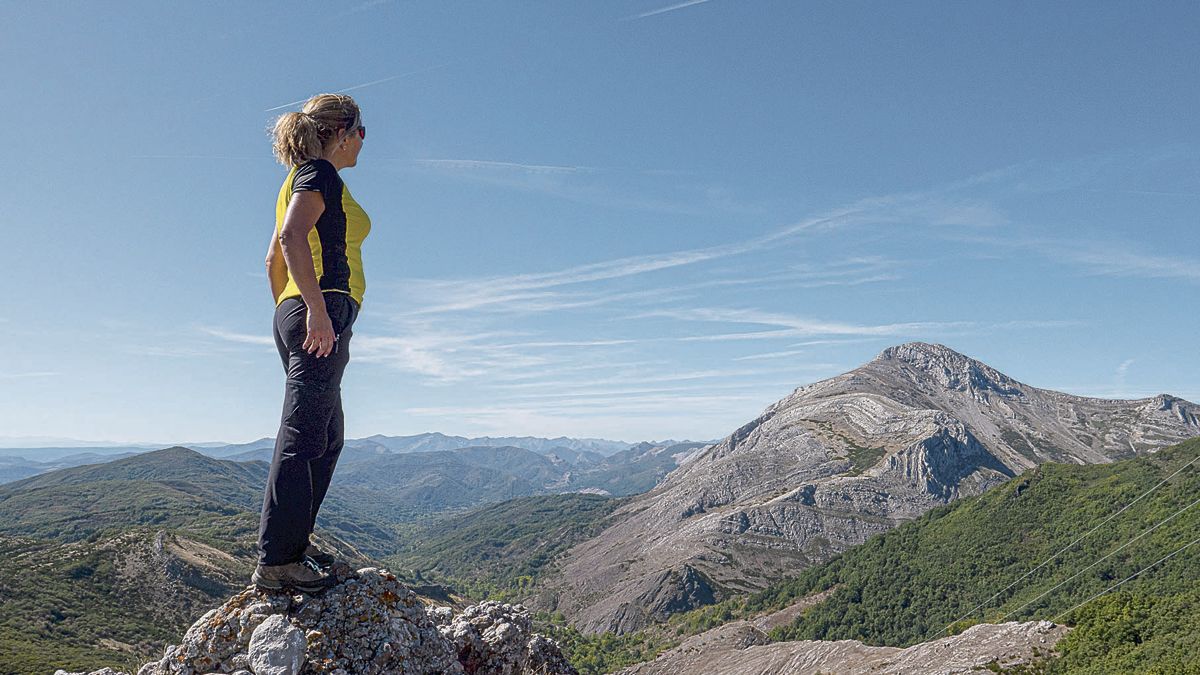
x=788, y=325
x=1121, y=393
x=563, y=182
x=721, y=376
x=664, y=10
x=1122, y=370
x=772, y=355
x=29, y=375
x=468, y=164
x=1121, y=262
x=372, y=83
x=1152, y=193
x=370, y=4
x=606, y=392
x=478, y=164
x=230, y=157
x=459, y=295
x=241, y=338
x=1111, y=259
x=570, y=343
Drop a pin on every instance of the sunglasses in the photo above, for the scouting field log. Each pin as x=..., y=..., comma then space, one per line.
x=362, y=131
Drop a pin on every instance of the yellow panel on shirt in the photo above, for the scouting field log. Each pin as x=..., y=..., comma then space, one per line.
x=337, y=239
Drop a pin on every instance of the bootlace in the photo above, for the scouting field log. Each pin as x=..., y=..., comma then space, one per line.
x=311, y=564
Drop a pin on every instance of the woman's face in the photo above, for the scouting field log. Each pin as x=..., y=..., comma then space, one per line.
x=347, y=149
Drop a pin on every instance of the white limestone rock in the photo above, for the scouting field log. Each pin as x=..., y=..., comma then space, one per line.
x=277, y=647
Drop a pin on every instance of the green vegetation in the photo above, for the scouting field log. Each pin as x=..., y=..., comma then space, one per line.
x=1017, y=442
x=72, y=606
x=1134, y=631
x=863, y=458
x=907, y=585
x=68, y=600
x=501, y=550
x=603, y=652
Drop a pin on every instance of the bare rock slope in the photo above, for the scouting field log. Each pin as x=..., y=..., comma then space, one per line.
x=832, y=464
x=741, y=649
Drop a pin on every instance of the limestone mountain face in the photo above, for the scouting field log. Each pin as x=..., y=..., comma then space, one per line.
x=832, y=464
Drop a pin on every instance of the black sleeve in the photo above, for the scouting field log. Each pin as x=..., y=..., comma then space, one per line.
x=315, y=176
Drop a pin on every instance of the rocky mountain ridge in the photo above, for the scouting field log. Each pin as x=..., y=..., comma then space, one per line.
x=832, y=464
x=368, y=624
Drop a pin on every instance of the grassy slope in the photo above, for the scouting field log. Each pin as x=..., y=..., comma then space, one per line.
x=60, y=603
x=499, y=551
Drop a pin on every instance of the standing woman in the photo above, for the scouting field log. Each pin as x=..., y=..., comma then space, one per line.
x=314, y=265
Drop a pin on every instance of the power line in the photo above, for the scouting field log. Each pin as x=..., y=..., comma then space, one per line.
x=1118, y=550
x=1170, y=555
x=1071, y=545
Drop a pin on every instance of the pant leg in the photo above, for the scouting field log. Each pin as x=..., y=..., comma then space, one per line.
x=311, y=394
x=343, y=312
x=322, y=467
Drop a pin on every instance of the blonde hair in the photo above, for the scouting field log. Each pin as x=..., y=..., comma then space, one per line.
x=301, y=136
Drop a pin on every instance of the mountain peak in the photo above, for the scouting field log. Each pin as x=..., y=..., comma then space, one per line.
x=924, y=352
x=939, y=364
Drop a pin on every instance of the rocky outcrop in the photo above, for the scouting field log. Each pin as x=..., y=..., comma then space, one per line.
x=833, y=464
x=741, y=649
x=369, y=624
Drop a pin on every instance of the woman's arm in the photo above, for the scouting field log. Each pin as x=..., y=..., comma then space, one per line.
x=301, y=217
x=277, y=271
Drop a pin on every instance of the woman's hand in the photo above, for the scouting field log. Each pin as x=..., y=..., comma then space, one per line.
x=320, y=339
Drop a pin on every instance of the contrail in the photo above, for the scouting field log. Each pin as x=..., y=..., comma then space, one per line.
x=369, y=84
x=664, y=10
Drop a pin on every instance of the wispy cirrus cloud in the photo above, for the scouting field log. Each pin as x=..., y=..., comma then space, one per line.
x=471, y=294
x=632, y=319
x=1098, y=258
x=785, y=325
x=592, y=185
x=1119, y=261
x=544, y=291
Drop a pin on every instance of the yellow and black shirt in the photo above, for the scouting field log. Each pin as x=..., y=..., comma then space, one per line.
x=337, y=239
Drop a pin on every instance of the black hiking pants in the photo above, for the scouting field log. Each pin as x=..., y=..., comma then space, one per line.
x=310, y=434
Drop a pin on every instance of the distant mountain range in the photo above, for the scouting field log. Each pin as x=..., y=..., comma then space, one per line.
x=833, y=464
x=21, y=462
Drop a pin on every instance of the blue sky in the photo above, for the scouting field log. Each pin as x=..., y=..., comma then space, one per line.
x=630, y=219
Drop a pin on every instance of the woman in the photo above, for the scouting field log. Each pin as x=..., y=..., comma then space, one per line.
x=314, y=265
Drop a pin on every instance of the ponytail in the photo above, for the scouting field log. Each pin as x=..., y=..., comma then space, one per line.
x=298, y=137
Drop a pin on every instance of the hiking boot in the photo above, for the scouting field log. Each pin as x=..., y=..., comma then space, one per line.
x=324, y=560
x=303, y=576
